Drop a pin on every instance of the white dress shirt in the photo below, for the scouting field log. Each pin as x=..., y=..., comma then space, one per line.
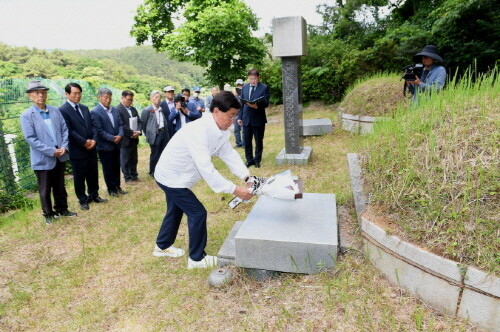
x=188, y=157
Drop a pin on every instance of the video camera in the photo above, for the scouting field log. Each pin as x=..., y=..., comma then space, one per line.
x=412, y=71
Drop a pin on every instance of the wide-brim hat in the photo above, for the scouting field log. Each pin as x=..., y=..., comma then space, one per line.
x=430, y=51
x=35, y=85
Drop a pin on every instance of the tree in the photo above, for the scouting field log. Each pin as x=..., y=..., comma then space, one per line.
x=39, y=67
x=216, y=35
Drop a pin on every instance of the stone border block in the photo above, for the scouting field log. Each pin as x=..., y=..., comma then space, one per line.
x=360, y=200
x=438, y=264
x=435, y=291
x=359, y=124
x=481, y=309
x=483, y=281
x=316, y=127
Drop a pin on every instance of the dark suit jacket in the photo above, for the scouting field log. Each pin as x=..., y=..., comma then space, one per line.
x=104, y=129
x=175, y=115
x=127, y=139
x=80, y=130
x=250, y=116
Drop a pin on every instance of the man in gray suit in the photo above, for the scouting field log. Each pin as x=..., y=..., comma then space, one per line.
x=155, y=125
x=45, y=131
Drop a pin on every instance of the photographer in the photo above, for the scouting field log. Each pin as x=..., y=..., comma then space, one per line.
x=433, y=75
x=183, y=112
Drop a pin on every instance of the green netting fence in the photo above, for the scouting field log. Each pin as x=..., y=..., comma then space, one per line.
x=15, y=167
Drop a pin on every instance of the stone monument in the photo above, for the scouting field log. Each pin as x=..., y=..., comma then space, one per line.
x=290, y=43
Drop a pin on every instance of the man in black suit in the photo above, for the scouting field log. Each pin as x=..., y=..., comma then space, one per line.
x=155, y=125
x=130, y=140
x=252, y=117
x=82, y=143
x=109, y=132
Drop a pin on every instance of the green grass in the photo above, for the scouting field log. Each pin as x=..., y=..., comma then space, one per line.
x=96, y=272
x=378, y=95
x=438, y=163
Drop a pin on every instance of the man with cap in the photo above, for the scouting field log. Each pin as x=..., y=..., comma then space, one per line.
x=196, y=100
x=237, y=127
x=109, y=131
x=46, y=132
x=433, y=76
x=167, y=104
x=82, y=147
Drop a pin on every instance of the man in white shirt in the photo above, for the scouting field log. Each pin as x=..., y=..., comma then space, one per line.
x=187, y=159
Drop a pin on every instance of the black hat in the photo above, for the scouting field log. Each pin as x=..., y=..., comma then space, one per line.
x=430, y=51
x=35, y=85
x=179, y=98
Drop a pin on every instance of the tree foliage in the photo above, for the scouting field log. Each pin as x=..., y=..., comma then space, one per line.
x=217, y=34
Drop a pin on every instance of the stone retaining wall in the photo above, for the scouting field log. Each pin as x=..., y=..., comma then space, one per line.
x=359, y=124
x=443, y=284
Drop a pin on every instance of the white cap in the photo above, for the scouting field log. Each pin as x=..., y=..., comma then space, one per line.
x=239, y=81
x=168, y=88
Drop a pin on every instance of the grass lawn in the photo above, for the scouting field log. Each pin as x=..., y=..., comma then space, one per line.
x=96, y=272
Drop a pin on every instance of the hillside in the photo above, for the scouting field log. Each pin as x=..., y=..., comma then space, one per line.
x=148, y=62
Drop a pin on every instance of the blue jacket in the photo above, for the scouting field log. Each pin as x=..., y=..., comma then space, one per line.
x=176, y=115
x=80, y=130
x=251, y=116
x=104, y=130
x=434, y=81
x=39, y=139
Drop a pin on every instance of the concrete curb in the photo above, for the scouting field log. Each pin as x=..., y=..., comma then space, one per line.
x=444, y=284
x=359, y=124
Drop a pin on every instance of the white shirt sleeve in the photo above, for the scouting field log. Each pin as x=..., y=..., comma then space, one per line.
x=199, y=149
x=233, y=160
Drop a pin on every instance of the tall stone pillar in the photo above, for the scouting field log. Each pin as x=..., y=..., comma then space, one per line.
x=290, y=43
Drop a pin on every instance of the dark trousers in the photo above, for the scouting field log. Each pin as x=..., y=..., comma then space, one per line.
x=250, y=132
x=86, y=170
x=128, y=161
x=52, y=181
x=179, y=201
x=110, y=161
x=237, y=134
x=161, y=141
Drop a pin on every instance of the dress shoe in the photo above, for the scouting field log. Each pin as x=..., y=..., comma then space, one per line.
x=249, y=163
x=113, y=194
x=99, y=199
x=84, y=206
x=121, y=191
x=66, y=213
x=257, y=164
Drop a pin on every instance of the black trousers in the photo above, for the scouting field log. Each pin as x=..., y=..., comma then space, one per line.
x=250, y=132
x=86, y=171
x=128, y=161
x=179, y=201
x=52, y=181
x=161, y=141
x=110, y=161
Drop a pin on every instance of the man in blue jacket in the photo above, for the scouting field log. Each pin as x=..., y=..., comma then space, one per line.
x=109, y=132
x=45, y=131
x=252, y=116
x=183, y=112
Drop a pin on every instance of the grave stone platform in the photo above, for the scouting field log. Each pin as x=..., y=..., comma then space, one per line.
x=299, y=236
x=316, y=127
x=302, y=158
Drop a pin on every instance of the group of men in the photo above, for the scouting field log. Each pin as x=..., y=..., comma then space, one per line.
x=112, y=133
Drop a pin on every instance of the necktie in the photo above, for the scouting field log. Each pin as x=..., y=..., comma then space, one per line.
x=78, y=110
x=252, y=89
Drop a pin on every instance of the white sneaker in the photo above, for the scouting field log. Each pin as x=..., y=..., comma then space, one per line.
x=206, y=262
x=168, y=252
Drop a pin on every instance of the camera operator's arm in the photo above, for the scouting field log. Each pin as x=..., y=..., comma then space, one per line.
x=193, y=113
x=436, y=78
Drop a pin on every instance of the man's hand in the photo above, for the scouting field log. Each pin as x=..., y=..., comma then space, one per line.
x=178, y=105
x=243, y=193
x=417, y=81
x=199, y=109
x=59, y=152
x=136, y=134
x=117, y=139
x=88, y=144
x=240, y=122
x=254, y=105
x=91, y=145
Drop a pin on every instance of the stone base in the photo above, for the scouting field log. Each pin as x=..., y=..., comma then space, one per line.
x=226, y=254
x=294, y=158
x=299, y=236
x=316, y=127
